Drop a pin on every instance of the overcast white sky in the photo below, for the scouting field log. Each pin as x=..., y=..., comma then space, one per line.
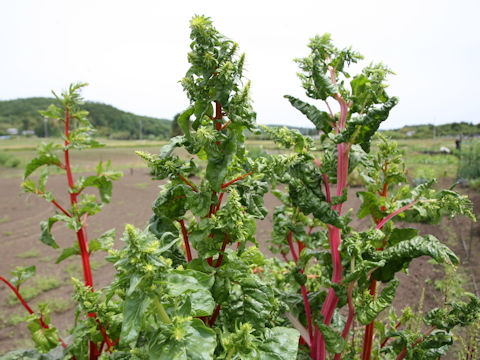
x=133, y=53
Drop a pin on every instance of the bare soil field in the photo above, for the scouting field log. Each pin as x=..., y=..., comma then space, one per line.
x=131, y=204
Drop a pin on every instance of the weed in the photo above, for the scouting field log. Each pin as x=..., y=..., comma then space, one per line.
x=60, y=305
x=42, y=284
x=29, y=254
x=142, y=186
x=73, y=270
x=4, y=219
x=95, y=265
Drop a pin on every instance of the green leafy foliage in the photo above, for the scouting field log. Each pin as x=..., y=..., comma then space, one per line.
x=43, y=335
x=21, y=274
x=371, y=308
x=188, y=286
x=398, y=257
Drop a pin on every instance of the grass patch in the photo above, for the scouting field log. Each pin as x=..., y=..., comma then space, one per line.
x=46, y=259
x=4, y=219
x=29, y=254
x=7, y=233
x=423, y=167
x=73, y=270
x=12, y=319
x=9, y=160
x=142, y=186
x=42, y=284
x=60, y=305
x=95, y=265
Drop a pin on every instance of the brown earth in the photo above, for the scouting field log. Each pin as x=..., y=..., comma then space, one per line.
x=132, y=198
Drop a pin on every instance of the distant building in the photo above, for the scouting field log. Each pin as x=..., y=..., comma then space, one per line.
x=410, y=133
x=28, y=132
x=12, y=131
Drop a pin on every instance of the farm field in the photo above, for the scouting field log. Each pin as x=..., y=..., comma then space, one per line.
x=131, y=204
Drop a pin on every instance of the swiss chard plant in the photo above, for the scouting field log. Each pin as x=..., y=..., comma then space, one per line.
x=73, y=211
x=338, y=267
x=194, y=285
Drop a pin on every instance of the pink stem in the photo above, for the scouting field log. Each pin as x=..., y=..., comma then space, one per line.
x=395, y=213
x=60, y=208
x=235, y=180
x=214, y=316
x=308, y=312
x=330, y=109
x=292, y=247
x=187, y=182
x=220, y=198
x=185, y=240
x=334, y=234
x=303, y=288
x=351, y=315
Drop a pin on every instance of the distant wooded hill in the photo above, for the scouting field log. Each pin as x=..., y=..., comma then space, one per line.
x=23, y=114
x=428, y=131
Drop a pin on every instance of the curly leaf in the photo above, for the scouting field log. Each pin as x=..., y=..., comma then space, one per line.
x=334, y=341
x=320, y=119
x=280, y=344
x=190, y=340
x=370, y=309
x=400, y=255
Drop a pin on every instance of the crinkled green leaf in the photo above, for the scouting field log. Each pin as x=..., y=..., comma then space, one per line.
x=280, y=344
x=456, y=313
x=321, y=119
x=369, y=311
x=401, y=234
x=133, y=316
x=370, y=205
x=196, y=285
x=218, y=161
x=189, y=340
x=400, y=255
x=334, y=341
x=104, y=242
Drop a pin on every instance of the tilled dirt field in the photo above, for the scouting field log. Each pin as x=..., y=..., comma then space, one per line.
x=132, y=198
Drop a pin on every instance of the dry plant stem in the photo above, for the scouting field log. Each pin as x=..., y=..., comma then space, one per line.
x=27, y=307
